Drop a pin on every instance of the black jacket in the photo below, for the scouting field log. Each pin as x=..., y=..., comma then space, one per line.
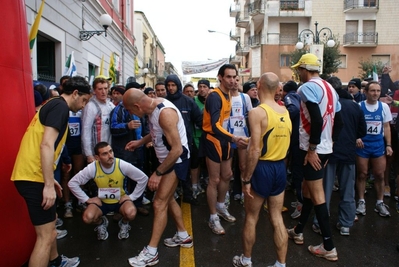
x=189, y=110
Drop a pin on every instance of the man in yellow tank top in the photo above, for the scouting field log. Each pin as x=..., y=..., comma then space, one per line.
x=109, y=174
x=33, y=173
x=265, y=173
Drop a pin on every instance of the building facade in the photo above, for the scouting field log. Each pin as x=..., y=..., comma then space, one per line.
x=269, y=30
x=60, y=34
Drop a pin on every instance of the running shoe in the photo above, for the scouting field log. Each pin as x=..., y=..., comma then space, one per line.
x=382, y=210
x=102, y=233
x=58, y=223
x=343, y=230
x=68, y=262
x=176, y=240
x=298, y=238
x=124, y=230
x=224, y=213
x=216, y=227
x=297, y=212
x=145, y=201
x=316, y=229
x=237, y=262
x=144, y=259
x=320, y=251
x=68, y=210
x=61, y=233
x=361, y=208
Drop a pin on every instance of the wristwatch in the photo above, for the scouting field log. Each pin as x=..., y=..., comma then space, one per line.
x=312, y=148
x=246, y=182
x=158, y=172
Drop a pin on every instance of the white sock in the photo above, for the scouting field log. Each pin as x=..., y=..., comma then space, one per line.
x=278, y=264
x=195, y=186
x=220, y=205
x=379, y=202
x=183, y=234
x=152, y=250
x=213, y=217
x=245, y=260
x=362, y=199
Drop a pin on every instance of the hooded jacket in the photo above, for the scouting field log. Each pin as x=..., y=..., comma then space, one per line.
x=189, y=110
x=344, y=150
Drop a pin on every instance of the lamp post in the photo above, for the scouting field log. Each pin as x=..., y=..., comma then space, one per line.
x=316, y=36
x=105, y=21
x=237, y=40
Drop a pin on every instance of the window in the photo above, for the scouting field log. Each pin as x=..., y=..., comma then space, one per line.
x=129, y=14
x=384, y=59
x=115, y=3
x=342, y=58
x=288, y=33
x=285, y=60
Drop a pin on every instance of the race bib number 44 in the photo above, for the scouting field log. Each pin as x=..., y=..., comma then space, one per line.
x=374, y=127
x=109, y=193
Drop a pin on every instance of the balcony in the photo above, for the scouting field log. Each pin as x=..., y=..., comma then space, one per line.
x=242, y=19
x=234, y=35
x=235, y=59
x=234, y=9
x=361, y=39
x=256, y=8
x=255, y=40
x=360, y=6
x=242, y=50
x=285, y=8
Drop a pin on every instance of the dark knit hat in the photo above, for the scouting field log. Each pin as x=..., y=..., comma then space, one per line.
x=148, y=90
x=356, y=82
x=290, y=86
x=38, y=98
x=119, y=89
x=203, y=81
x=135, y=85
x=248, y=86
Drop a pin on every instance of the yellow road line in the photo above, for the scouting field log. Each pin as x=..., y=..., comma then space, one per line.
x=187, y=254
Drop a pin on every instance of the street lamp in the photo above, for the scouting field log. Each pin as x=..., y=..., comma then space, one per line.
x=239, y=45
x=327, y=33
x=105, y=21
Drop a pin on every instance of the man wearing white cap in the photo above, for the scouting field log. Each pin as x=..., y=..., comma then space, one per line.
x=320, y=124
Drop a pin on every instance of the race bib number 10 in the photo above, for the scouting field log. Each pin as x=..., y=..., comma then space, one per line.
x=109, y=193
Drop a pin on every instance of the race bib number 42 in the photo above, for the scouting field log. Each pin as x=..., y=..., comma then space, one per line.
x=109, y=193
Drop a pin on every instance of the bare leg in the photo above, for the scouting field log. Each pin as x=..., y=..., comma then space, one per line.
x=378, y=167
x=275, y=204
x=362, y=165
x=252, y=208
x=225, y=176
x=162, y=200
x=214, y=179
x=45, y=247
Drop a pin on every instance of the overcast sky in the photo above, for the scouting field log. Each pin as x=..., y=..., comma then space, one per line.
x=182, y=28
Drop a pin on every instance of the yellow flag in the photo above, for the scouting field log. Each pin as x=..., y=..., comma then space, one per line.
x=35, y=27
x=102, y=66
x=111, y=70
x=136, y=66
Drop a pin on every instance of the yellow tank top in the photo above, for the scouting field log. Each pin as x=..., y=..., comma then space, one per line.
x=28, y=166
x=276, y=139
x=108, y=180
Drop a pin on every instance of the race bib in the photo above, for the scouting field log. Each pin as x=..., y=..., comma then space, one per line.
x=74, y=128
x=109, y=193
x=374, y=127
x=237, y=122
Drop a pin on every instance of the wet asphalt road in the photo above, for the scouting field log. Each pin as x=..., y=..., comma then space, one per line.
x=372, y=240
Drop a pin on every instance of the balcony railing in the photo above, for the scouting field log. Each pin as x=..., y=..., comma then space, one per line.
x=255, y=40
x=242, y=20
x=351, y=4
x=290, y=5
x=256, y=7
x=361, y=38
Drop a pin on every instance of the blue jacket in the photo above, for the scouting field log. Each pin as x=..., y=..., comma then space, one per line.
x=292, y=102
x=189, y=110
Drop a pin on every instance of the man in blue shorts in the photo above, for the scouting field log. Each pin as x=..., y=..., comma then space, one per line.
x=265, y=174
x=372, y=148
x=109, y=174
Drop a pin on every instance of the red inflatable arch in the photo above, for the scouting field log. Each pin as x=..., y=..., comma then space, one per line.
x=16, y=111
